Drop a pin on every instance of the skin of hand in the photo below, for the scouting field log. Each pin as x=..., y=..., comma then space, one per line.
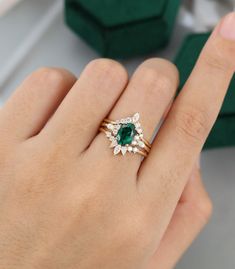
x=67, y=202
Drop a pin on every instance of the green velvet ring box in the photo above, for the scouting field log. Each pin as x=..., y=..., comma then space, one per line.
x=223, y=132
x=122, y=28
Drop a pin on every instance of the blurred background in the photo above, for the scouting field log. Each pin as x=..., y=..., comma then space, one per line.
x=33, y=34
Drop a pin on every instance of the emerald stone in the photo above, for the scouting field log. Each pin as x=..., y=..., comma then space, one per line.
x=126, y=134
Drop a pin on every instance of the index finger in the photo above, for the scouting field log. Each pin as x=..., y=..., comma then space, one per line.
x=164, y=173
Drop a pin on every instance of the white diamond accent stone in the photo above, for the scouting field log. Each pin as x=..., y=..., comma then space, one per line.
x=141, y=135
x=124, y=150
x=115, y=131
x=141, y=144
x=113, y=144
x=137, y=137
x=110, y=126
x=112, y=138
x=137, y=125
x=139, y=131
x=129, y=120
x=135, y=150
x=136, y=117
x=130, y=149
x=134, y=143
x=108, y=134
x=117, y=149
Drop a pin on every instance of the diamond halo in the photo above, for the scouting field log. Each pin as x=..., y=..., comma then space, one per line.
x=126, y=135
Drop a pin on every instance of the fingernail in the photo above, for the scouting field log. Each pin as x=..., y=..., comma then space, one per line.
x=227, y=28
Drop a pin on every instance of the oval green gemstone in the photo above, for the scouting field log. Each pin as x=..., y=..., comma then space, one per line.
x=126, y=134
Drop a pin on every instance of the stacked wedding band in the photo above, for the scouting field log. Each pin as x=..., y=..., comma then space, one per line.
x=126, y=136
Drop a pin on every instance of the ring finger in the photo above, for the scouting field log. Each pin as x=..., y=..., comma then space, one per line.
x=149, y=92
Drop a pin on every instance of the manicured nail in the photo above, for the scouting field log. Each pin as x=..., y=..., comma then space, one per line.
x=227, y=28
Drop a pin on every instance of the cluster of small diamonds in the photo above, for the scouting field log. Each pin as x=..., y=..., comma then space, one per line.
x=112, y=132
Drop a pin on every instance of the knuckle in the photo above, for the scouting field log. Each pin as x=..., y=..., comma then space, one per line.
x=214, y=61
x=203, y=209
x=191, y=123
x=156, y=78
x=219, y=56
x=158, y=82
x=50, y=76
x=162, y=64
x=106, y=68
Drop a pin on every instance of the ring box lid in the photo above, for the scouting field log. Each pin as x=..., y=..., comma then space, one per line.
x=111, y=13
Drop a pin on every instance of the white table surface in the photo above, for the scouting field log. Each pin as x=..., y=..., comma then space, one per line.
x=215, y=247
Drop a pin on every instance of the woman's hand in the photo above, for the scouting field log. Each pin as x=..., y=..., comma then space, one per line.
x=67, y=202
